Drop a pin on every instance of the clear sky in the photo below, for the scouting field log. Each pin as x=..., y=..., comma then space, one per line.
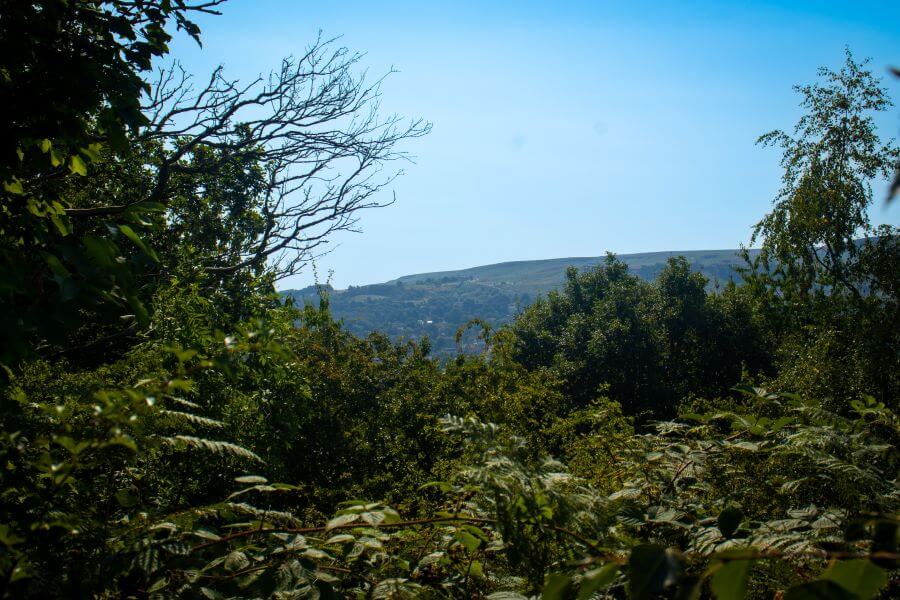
x=567, y=128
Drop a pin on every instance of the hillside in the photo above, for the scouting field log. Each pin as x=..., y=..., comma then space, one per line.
x=437, y=304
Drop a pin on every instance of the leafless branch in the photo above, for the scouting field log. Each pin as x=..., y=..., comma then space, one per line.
x=313, y=126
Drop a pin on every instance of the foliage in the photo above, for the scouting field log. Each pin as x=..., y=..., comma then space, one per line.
x=71, y=79
x=509, y=519
x=77, y=457
x=826, y=279
x=652, y=344
x=821, y=210
x=242, y=184
x=156, y=390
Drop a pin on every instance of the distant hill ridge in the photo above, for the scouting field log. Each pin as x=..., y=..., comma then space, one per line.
x=550, y=273
x=436, y=304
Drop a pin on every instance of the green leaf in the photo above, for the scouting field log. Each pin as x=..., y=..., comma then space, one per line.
x=341, y=538
x=745, y=445
x=860, y=576
x=100, y=250
x=235, y=561
x=14, y=187
x=92, y=152
x=21, y=571
x=131, y=235
x=206, y=535
x=476, y=569
x=250, y=479
x=160, y=584
x=651, y=569
x=326, y=577
x=140, y=311
x=729, y=582
x=477, y=532
x=821, y=589
x=597, y=579
x=184, y=356
x=441, y=485
x=341, y=520
x=729, y=520
x=316, y=554
x=211, y=594
x=556, y=587
x=7, y=537
x=56, y=266
x=77, y=165
x=468, y=540
x=62, y=224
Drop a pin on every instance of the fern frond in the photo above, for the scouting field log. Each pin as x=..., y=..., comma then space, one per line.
x=271, y=516
x=183, y=402
x=216, y=446
x=192, y=418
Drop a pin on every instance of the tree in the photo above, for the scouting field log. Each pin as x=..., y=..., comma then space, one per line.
x=72, y=74
x=895, y=184
x=826, y=278
x=818, y=235
x=71, y=81
x=312, y=131
x=595, y=332
x=653, y=344
x=231, y=180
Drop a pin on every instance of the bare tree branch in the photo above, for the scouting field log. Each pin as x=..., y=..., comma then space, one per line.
x=313, y=126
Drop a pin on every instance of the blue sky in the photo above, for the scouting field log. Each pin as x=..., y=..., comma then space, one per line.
x=567, y=128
